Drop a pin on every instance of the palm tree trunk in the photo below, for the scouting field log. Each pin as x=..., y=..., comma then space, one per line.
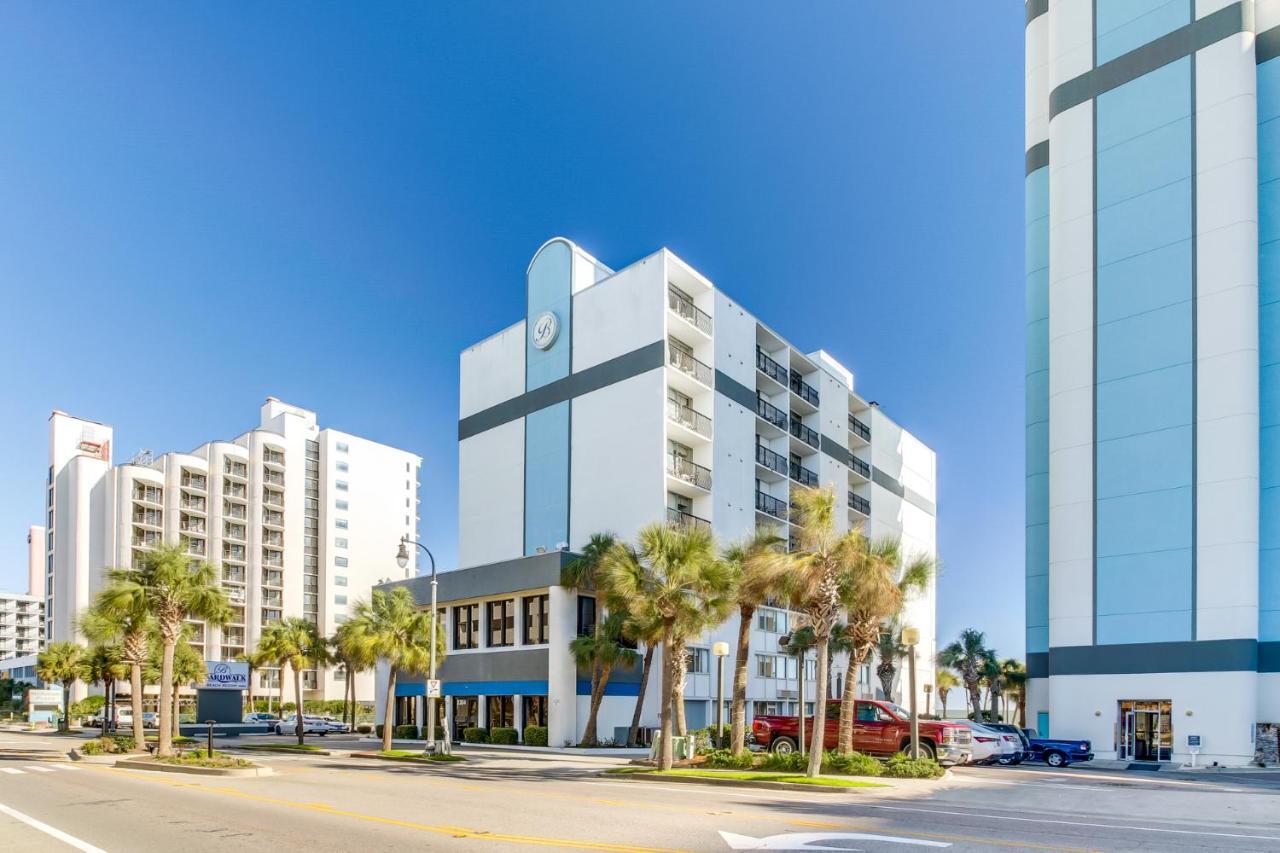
x=299, y=729
x=388, y=711
x=995, y=704
x=849, y=700
x=164, y=737
x=677, y=686
x=135, y=699
x=665, y=758
x=177, y=705
x=644, y=686
x=738, y=708
x=64, y=722
x=107, y=685
x=589, y=737
x=942, y=697
x=818, y=742
x=280, y=689
x=975, y=699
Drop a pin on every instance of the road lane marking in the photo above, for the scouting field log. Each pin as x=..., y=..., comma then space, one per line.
x=10, y=770
x=69, y=840
x=41, y=769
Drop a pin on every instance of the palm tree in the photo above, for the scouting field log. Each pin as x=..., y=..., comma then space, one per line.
x=119, y=615
x=890, y=649
x=102, y=664
x=272, y=650
x=967, y=656
x=1015, y=678
x=671, y=577
x=650, y=633
x=173, y=588
x=758, y=566
x=992, y=677
x=600, y=652
x=391, y=627
x=874, y=591
x=301, y=645
x=944, y=682
x=582, y=573
x=60, y=663
x=354, y=656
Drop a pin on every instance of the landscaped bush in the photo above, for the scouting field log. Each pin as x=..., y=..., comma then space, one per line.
x=791, y=762
x=504, y=735
x=93, y=747
x=118, y=743
x=535, y=735
x=851, y=764
x=902, y=767
x=719, y=737
x=724, y=759
x=199, y=758
x=365, y=728
x=408, y=732
x=475, y=735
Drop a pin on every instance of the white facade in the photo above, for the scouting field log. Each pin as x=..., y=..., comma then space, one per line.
x=301, y=521
x=21, y=625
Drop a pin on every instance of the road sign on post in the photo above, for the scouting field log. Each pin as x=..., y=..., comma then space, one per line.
x=1193, y=746
x=433, y=688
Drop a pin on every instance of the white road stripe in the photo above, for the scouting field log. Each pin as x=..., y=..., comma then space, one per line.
x=41, y=769
x=10, y=770
x=69, y=840
x=69, y=767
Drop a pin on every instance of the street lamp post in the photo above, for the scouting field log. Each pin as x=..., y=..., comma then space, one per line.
x=402, y=560
x=911, y=638
x=721, y=651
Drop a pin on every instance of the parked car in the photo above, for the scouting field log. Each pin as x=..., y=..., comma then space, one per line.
x=336, y=726
x=261, y=717
x=310, y=725
x=1056, y=752
x=987, y=744
x=879, y=728
x=1015, y=736
x=150, y=720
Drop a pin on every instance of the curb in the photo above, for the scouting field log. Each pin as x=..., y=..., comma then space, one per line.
x=77, y=755
x=142, y=764
x=404, y=759
x=743, y=783
x=280, y=751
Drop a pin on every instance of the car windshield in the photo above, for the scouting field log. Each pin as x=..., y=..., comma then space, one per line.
x=898, y=711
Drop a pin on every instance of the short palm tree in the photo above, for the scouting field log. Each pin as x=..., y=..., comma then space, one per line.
x=390, y=627
x=993, y=678
x=967, y=656
x=1015, y=679
x=173, y=587
x=600, y=652
x=944, y=682
x=60, y=663
x=188, y=666
x=670, y=577
x=345, y=651
x=272, y=651
x=302, y=646
x=120, y=616
x=758, y=565
x=648, y=630
x=582, y=574
x=103, y=665
x=890, y=650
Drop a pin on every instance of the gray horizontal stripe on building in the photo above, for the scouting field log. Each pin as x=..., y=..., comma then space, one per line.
x=736, y=391
x=1036, y=8
x=1037, y=156
x=1144, y=658
x=1267, y=45
x=505, y=665
x=1184, y=41
x=594, y=378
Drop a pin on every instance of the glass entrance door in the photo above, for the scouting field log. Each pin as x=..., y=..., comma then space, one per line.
x=1146, y=730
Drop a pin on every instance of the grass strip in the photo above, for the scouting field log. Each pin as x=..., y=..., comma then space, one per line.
x=751, y=776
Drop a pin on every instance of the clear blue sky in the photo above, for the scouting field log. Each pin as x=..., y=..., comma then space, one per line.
x=202, y=205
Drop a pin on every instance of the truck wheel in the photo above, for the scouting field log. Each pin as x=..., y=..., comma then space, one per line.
x=926, y=749
x=1054, y=758
x=783, y=746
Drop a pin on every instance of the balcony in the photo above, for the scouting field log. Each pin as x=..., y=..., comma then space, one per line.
x=196, y=547
x=149, y=494
x=272, y=518
x=773, y=461
x=235, y=511
x=771, y=413
x=684, y=307
x=772, y=369
x=274, y=559
x=192, y=525
x=192, y=503
x=199, y=482
x=859, y=429
x=862, y=469
x=274, y=478
x=233, y=574
x=272, y=598
x=233, y=552
x=234, y=531
x=689, y=471
x=803, y=475
x=680, y=518
x=770, y=505
x=272, y=577
x=859, y=504
x=276, y=457
x=271, y=498
x=235, y=469
x=690, y=366
x=273, y=537
x=148, y=517
x=803, y=433
x=235, y=490
x=803, y=389
x=145, y=539
x=689, y=418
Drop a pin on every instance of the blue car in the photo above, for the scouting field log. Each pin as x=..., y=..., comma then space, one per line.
x=1055, y=752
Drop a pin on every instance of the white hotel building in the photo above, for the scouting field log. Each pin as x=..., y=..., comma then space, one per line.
x=623, y=398
x=301, y=521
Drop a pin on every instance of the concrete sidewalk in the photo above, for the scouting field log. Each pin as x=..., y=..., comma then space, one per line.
x=622, y=755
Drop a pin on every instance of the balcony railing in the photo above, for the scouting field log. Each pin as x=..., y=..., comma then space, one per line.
x=273, y=518
x=684, y=306
x=235, y=490
x=196, y=547
x=273, y=537
x=688, y=417
x=274, y=457
x=233, y=552
x=685, y=363
x=272, y=498
x=859, y=428
x=860, y=503
x=233, y=574
x=772, y=461
x=771, y=413
x=689, y=471
x=272, y=558
x=195, y=481
x=803, y=475
x=149, y=495
x=149, y=517
x=681, y=518
x=803, y=433
x=236, y=469
x=275, y=478
x=192, y=525
x=770, y=505
x=803, y=389
x=861, y=467
x=194, y=504
x=771, y=368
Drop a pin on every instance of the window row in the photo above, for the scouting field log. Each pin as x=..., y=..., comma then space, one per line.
x=500, y=621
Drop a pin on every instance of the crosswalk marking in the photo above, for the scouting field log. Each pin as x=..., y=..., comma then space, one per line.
x=41, y=769
x=13, y=771
x=9, y=770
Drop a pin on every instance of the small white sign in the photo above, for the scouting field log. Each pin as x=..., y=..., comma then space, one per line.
x=44, y=698
x=226, y=675
x=433, y=688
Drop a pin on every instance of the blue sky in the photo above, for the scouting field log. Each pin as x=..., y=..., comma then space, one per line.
x=201, y=206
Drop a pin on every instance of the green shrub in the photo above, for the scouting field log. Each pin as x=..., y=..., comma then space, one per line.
x=787, y=762
x=475, y=735
x=724, y=759
x=119, y=743
x=93, y=747
x=364, y=728
x=504, y=735
x=902, y=767
x=719, y=737
x=407, y=732
x=88, y=706
x=851, y=764
x=535, y=735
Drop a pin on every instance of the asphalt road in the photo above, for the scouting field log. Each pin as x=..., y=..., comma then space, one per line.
x=507, y=801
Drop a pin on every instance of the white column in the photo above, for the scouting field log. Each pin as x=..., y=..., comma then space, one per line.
x=562, y=675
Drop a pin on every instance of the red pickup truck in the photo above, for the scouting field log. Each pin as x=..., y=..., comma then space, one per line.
x=879, y=728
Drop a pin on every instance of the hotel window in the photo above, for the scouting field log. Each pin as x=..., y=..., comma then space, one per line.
x=502, y=622
x=466, y=626
x=341, y=562
x=775, y=666
x=341, y=485
x=586, y=615
x=340, y=523
x=341, y=447
x=773, y=621
x=697, y=661
x=535, y=619
x=535, y=710
x=339, y=599
x=502, y=711
x=339, y=580
x=340, y=618
x=342, y=466
x=339, y=504
x=339, y=542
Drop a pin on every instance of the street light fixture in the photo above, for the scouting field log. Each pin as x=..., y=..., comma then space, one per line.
x=911, y=639
x=721, y=651
x=402, y=560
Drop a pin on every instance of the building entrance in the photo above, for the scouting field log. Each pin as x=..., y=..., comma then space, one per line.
x=1146, y=730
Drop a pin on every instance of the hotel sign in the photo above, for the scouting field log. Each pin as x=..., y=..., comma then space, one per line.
x=96, y=449
x=226, y=675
